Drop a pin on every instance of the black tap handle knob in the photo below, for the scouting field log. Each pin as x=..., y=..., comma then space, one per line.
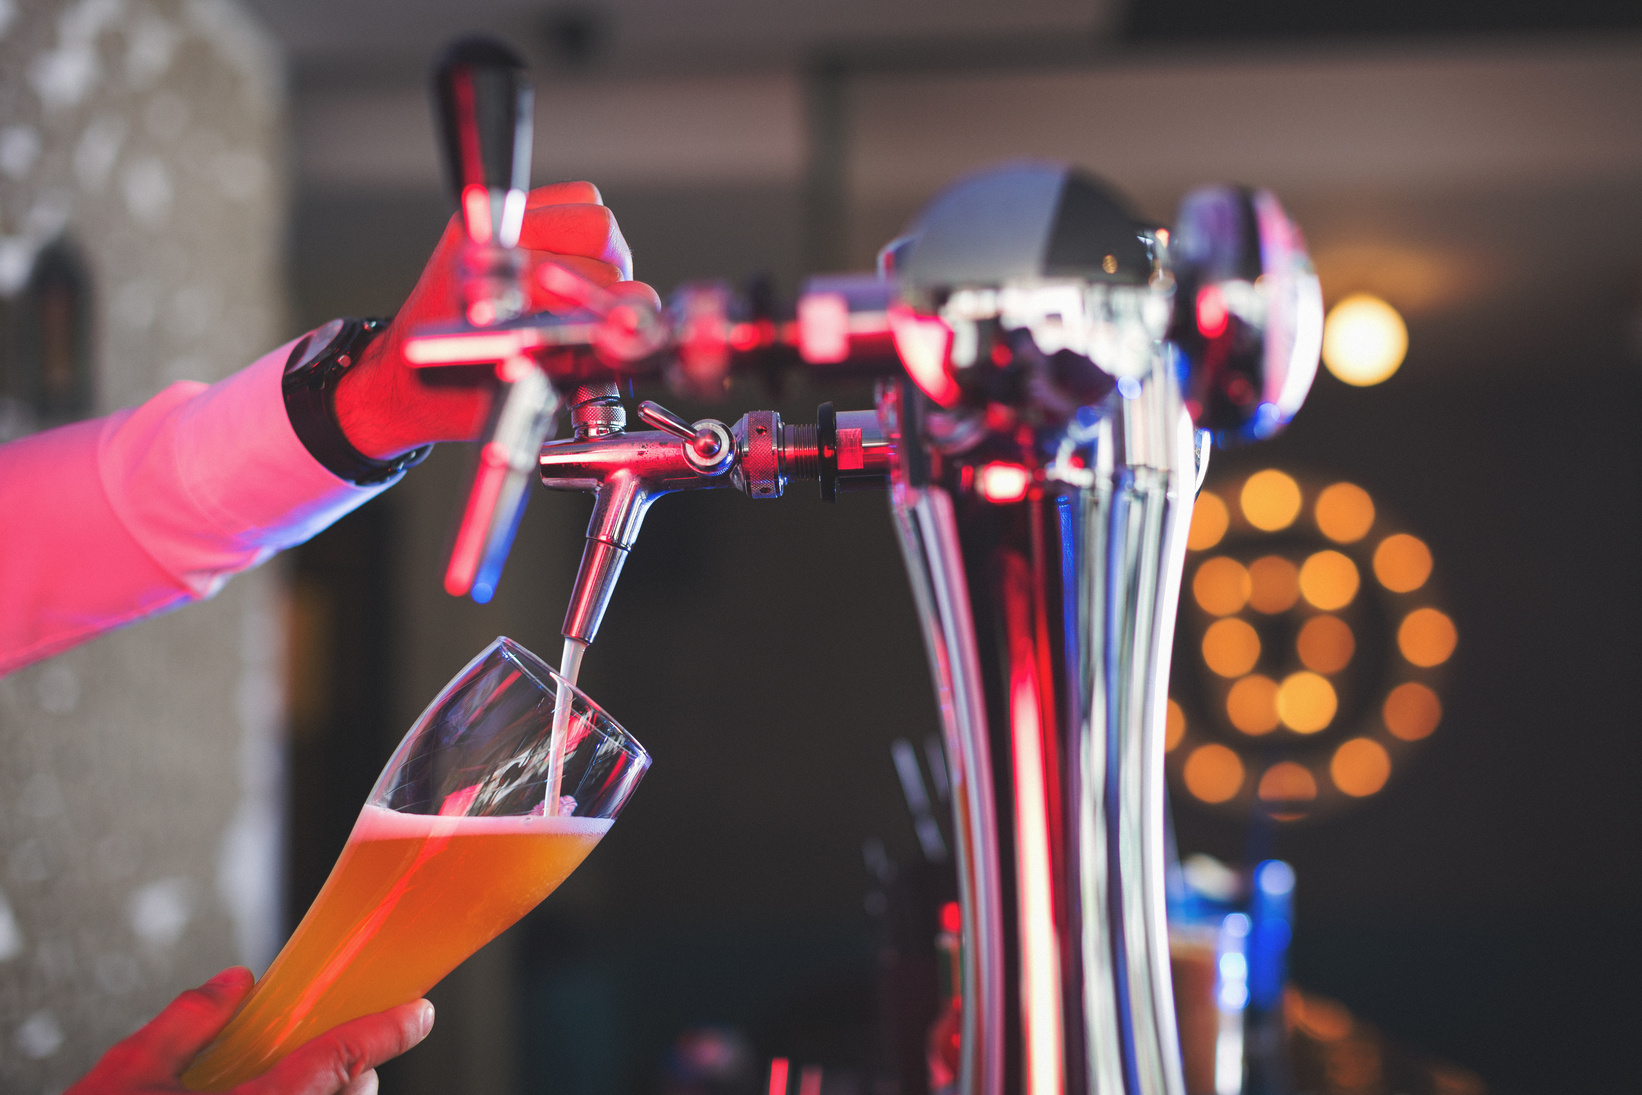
x=485, y=102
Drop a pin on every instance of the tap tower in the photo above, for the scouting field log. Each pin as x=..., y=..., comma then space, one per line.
x=1053, y=372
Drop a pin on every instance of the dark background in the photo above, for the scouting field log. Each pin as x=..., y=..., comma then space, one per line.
x=1483, y=908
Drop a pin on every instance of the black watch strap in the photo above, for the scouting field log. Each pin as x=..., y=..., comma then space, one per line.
x=312, y=372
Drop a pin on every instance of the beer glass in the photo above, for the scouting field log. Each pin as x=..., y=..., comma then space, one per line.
x=503, y=785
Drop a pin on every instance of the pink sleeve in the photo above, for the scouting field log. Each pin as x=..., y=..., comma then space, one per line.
x=105, y=521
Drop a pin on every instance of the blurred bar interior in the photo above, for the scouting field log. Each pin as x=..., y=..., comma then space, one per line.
x=1458, y=504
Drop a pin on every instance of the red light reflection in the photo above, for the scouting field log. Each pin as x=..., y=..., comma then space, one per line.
x=476, y=210
x=1212, y=314
x=1002, y=483
x=923, y=343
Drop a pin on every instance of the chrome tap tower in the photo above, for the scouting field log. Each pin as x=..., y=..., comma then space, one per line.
x=1052, y=374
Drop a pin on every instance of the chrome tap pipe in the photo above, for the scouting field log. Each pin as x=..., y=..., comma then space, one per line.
x=1048, y=459
x=1048, y=620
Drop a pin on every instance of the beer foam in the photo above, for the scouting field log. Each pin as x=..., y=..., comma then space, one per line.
x=376, y=823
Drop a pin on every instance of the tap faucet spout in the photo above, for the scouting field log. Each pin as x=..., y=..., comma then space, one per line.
x=626, y=472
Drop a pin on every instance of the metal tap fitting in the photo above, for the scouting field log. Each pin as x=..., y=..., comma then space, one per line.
x=626, y=472
x=596, y=410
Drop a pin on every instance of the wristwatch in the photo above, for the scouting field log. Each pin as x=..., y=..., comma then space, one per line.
x=316, y=365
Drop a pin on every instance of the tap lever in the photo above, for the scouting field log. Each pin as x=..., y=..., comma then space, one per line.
x=484, y=102
x=707, y=444
x=663, y=419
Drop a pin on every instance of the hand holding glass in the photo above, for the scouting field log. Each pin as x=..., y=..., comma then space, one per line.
x=499, y=791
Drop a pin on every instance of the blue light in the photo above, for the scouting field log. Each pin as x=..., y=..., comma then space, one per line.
x=1267, y=420
x=1273, y=911
x=1275, y=877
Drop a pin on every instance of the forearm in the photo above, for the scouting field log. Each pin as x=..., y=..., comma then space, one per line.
x=110, y=520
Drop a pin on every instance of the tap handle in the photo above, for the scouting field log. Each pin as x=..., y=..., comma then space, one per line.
x=485, y=103
x=1248, y=311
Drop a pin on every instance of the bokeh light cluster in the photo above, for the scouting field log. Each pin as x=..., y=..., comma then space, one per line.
x=1309, y=648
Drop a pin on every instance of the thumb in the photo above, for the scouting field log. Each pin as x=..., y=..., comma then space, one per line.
x=189, y=1022
x=365, y=1084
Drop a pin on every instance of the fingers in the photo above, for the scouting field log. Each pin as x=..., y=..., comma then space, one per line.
x=637, y=290
x=189, y=1022
x=564, y=193
x=339, y=1061
x=599, y=272
x=586, y=230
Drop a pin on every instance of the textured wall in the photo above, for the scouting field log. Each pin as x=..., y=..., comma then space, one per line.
x=140, y=775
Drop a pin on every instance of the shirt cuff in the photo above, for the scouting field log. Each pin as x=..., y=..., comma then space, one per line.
x=212, y=480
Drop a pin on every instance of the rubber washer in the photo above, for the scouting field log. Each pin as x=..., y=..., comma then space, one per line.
x=826, y=450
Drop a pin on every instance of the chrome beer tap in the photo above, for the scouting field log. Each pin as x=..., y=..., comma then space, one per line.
x=1042, y=447
x=625, y=472
x=1071, y=374
x=1052, y=373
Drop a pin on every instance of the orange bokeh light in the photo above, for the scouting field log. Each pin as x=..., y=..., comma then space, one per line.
x=1306, y=702
x=1402, y=563
x=1287, y=781
x=1213, y=773
x=1328, y=580
x=1274, y=584
x=1344, y=513
x=1325, y=644
x=1251, y=704
x=1221, y=586
x=1427, y=637
x=1231, y=647
x=1174, y=726
x=1323, y=1019
x=1270, y=500
x=1360, y=767
x=1412, y=711
x=1209, y=522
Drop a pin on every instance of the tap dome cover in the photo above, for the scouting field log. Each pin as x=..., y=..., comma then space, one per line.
x=1025, y=220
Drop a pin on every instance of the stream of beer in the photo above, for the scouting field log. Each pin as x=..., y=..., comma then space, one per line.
x=570, y=667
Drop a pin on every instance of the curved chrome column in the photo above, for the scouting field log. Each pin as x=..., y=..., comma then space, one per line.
x=1048, y=622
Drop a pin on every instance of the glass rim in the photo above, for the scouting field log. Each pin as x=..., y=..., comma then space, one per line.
x=535, y=667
